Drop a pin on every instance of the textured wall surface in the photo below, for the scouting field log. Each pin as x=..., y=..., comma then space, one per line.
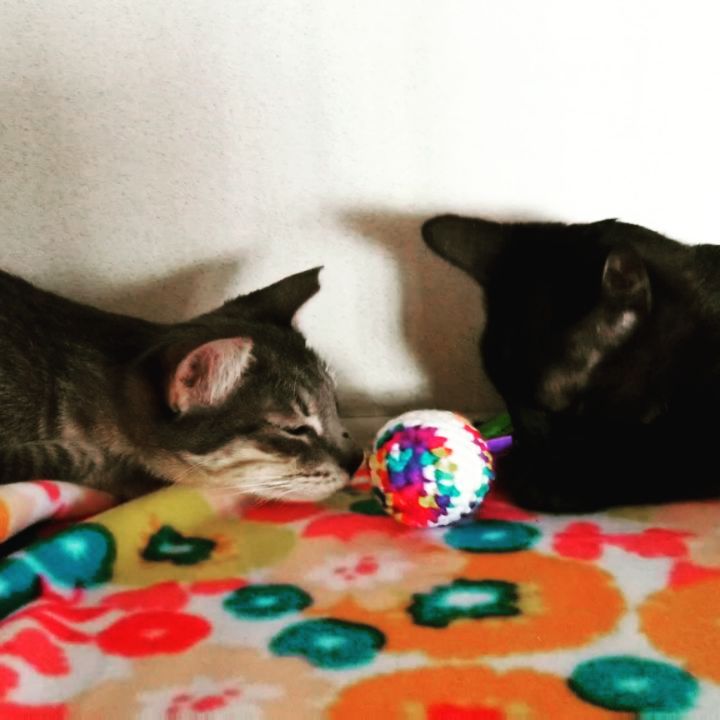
x=156, y=157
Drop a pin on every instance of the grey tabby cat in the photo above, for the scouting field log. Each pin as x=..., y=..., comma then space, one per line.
x=232, y=399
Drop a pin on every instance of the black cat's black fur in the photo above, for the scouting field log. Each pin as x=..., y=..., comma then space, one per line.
x=604, y=341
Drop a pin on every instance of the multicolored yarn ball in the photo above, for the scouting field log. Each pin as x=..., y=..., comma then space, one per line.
x=430, y=467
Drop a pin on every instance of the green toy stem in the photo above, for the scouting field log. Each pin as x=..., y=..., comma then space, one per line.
x=496, y=427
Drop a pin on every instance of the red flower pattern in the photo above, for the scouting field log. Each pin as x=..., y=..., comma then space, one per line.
x=345, y=526
x=282, y=512
x=585, y=541
x=685, y=572
x=151, y=623
x=153, y=632
x=36, y=649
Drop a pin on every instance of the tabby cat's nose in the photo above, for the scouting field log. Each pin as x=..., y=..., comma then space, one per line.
x=352, y=461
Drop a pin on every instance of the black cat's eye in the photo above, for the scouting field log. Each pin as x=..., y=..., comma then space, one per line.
x=299, y=431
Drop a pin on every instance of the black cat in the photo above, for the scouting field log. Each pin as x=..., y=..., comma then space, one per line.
x=604, y=341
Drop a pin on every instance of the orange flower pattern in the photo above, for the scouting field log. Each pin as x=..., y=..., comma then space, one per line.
x=684, y=623
x=465, y=693
x=500, y=605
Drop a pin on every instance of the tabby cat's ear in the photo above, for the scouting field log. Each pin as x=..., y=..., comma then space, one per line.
x=207, y=375
x=279, y=303
x=468, y=243
x=625, y=281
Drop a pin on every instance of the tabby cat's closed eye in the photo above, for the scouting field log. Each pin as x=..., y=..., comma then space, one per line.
x=300, y=431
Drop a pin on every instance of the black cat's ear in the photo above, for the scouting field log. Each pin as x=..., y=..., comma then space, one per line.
x=625, y=280
x=470, y=244
x=279, y=303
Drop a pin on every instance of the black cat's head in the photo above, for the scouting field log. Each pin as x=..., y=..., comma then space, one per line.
x=242, y=403
x=581, y=319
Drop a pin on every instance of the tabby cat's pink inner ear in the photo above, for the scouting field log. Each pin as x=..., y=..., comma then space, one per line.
x=208, y=374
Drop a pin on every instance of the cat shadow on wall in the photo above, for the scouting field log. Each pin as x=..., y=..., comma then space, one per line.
x=442, y=313
x=176, y=296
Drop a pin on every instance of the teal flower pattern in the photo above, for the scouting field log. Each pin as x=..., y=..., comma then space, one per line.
x=168, y=545
x=464, y=599
x=492, y=536
x=19, y=584
x=266, y=602
x=634, y=684
x=329, y=643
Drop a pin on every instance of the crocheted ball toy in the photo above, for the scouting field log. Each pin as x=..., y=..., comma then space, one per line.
x=430, y=467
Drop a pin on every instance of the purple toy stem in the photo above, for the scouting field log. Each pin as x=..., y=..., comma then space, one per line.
x=499, y=445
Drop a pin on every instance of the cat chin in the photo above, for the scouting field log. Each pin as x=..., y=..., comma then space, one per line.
x=267, y=480
x=312, y=487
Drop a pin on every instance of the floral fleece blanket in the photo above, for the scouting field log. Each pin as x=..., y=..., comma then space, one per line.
x=186, y=605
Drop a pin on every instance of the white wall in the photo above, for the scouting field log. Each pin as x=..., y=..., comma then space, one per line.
x=156, y=157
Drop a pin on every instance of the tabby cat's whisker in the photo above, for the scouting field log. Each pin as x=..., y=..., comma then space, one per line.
x=193, y=466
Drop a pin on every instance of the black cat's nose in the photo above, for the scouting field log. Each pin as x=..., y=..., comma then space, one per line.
x=352, y=461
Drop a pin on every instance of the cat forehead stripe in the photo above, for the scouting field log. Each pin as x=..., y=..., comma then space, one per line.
x=314, y=422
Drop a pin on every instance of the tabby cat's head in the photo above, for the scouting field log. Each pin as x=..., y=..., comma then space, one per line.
x=583, y=320
x=242, y=403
